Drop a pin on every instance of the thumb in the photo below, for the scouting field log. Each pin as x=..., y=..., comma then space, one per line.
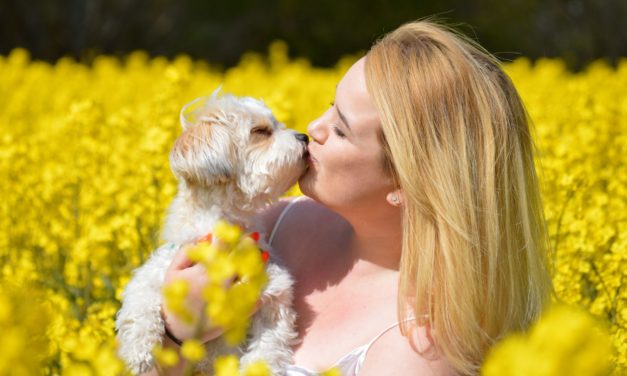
x=180, y=260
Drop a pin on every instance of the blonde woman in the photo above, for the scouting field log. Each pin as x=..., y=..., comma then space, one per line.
x=421, y=239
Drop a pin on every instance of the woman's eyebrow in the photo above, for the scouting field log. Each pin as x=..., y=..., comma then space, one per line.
x=341, y=114
x=342, y=117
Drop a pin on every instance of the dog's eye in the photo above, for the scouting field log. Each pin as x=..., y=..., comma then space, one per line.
x=262, y=131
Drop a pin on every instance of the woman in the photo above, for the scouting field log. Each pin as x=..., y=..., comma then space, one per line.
x=421, y=240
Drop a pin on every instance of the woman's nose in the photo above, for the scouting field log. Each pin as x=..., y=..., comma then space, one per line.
x=315, y=129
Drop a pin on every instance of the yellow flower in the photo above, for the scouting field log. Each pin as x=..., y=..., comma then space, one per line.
x=221, y=269
x=165, y=357
x=565, y=341
x=227, y=232
x=105, y=194
x=192, y=350
x=332, y=372
x=78, y=369
x=226, y=366
x=257, y=369
x=247, y=258
x=237, y=333
x=175, y=295
x=203, y=253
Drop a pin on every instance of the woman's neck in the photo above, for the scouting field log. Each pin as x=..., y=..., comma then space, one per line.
x=376, y=241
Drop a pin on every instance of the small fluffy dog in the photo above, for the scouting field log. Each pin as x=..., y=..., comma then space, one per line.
x=232, y=160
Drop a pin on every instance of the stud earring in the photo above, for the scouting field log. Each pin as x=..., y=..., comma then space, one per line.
x=395, y=199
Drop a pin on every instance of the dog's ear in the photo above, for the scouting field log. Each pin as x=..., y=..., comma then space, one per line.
x=191, y=111
x=204, y=154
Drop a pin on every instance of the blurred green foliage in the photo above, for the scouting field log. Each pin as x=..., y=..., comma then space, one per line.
x=578, y=31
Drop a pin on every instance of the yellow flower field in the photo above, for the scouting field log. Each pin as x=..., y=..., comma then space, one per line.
x=85, y=182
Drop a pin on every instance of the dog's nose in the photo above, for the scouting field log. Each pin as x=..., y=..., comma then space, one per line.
x=302, y=137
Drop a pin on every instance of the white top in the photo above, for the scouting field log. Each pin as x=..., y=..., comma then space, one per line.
x=349, y=364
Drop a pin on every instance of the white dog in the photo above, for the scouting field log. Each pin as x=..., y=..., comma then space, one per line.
x=232, y=160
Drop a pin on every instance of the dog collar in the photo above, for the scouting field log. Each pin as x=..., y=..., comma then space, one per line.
x=265, y=255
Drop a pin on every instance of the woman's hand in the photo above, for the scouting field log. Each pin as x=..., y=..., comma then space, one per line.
x=196, y=276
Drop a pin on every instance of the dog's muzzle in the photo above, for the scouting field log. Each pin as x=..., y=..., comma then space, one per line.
x=305, y=139
x=302, y=137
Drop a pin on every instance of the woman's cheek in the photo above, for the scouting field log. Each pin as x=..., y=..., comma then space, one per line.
x=352, y=174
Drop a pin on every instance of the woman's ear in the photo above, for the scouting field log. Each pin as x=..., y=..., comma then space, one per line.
x=395, y=198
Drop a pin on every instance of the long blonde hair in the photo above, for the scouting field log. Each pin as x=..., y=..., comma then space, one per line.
x=456, y=138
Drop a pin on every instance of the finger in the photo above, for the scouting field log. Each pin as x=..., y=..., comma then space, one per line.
x=180, y=260
x=228, y=282
x=198, y=269
x=196, y=275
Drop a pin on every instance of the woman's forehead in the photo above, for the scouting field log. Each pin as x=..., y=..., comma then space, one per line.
x=354, y=79
x=353, y=99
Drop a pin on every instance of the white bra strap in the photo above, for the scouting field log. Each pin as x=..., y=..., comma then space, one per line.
x=386, y=329
x=362, y=356
x=278, y=221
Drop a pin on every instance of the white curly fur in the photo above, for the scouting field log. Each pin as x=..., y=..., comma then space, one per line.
x=232, y=160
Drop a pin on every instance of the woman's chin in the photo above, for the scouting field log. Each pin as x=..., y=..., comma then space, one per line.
x=305, y=184
x=302, y=183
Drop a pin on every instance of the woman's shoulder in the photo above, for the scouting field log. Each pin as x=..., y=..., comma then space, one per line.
x=267, y=219
x=296, y=230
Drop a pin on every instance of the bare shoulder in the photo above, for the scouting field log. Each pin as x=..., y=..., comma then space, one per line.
x=395, y=354
x=266, y=219
x=297, y=238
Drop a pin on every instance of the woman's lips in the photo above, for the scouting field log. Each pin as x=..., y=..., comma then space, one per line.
x=311, y=159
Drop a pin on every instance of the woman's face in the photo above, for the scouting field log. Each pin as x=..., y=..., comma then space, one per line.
x=346, y=158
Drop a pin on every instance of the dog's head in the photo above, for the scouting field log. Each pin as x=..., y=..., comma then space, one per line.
x=236, y=142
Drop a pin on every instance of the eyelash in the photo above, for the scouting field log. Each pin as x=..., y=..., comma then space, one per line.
x=337, y=130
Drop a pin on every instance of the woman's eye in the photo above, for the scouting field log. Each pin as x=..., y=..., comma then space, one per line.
x=338, y=132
